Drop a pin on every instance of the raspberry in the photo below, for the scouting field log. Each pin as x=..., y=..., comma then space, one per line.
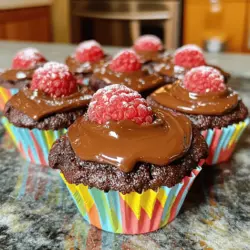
x=204, y=79
x=189, y=56
x=118, y=102
x=125, y=61
x=27, y=59
x=89, y=51
x=54, y=79
x=148, y=43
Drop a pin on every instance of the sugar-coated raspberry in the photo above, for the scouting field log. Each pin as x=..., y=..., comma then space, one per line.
x=189, y=56
x=148, y=43
x=27, y=58
x=118, y=102
x=204, y=79
x=54, y=79
x=125, y=61
x=89, y=51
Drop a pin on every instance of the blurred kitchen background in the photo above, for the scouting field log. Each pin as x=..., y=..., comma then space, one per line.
x=215, y=25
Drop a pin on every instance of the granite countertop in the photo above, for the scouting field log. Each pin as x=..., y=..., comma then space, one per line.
x=37, y=212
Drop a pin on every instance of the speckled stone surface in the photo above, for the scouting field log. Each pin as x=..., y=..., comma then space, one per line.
x=37, y=212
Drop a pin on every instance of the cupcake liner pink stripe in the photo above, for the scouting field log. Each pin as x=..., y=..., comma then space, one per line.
x=131, y=213
x=222, y=141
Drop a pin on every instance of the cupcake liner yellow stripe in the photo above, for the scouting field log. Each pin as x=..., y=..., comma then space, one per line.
x=222, y=141
x=131, y=213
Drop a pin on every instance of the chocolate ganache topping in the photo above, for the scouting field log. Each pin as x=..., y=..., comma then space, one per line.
x=16, y=74
x=139, y=80
x=86, y=67
x=178, y=98
x=36, y=104
x=125, y=143
x=15, y=78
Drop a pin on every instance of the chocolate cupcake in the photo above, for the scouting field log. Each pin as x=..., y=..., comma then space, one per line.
x=38, y=114
x=23, y=65
x=119, y=167
x=190, y=56
x=126, y=69
x=88, y=55
x=213, y=107
x=154, y=58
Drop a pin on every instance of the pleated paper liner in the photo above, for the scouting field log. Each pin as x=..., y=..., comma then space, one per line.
x=222, y=141
x=5, y=95
x=132, y=213
x=34, y=144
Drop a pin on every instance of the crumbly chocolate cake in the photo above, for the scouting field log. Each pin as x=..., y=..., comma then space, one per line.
x=53, y=122
x=203, y=122
x=108, y=177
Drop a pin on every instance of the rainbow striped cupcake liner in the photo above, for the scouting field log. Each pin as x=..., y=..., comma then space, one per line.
x=5, y=95
x=222, y=141
x=132, y=213
x=33, y=144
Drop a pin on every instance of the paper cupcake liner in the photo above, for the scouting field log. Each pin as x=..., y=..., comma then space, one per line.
x=34, y=144
x=132, y=213
x=5, y=95
x=222, y=141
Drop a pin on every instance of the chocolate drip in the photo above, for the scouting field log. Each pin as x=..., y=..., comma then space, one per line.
x=139, y=80
x=37, y=104
x=177, y=98
x=83, y=68
x=125, y=143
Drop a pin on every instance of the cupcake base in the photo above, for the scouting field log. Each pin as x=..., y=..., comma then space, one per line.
x=34, y=144
x=221, y=142
x=132, y=213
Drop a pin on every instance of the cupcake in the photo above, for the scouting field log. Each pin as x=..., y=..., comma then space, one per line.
x=38, y=114
x=88, y=55
x=23, y=65
x=154, y=58
x=190, y=56
x=125, y=68
x=118, y=166
x=212, y=106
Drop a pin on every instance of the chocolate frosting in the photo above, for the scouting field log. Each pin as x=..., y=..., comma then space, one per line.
x=82, y=68
x=178, y=98
x=16, y=74
x=153, y=56
x=125, y=143
x=139, y=80
x=37, y=104
x=17, y=78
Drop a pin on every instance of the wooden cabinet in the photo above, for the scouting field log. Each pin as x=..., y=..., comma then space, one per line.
x=27, y=24
x=232, y=22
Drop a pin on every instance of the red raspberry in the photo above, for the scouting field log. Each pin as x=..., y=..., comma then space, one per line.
x=189, y=56
x=27, y=59
x=89, y=51
x=118, y=102
x=54, y=79
x=204, y=79
x=148, y=43
x=125, y=61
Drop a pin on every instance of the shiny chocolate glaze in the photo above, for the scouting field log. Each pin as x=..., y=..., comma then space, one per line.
x=125, y=143
x=83, y=68
x=17, y=78
x=16, y=74
x=139, y=80
x=37, y=104
x=178, y=98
